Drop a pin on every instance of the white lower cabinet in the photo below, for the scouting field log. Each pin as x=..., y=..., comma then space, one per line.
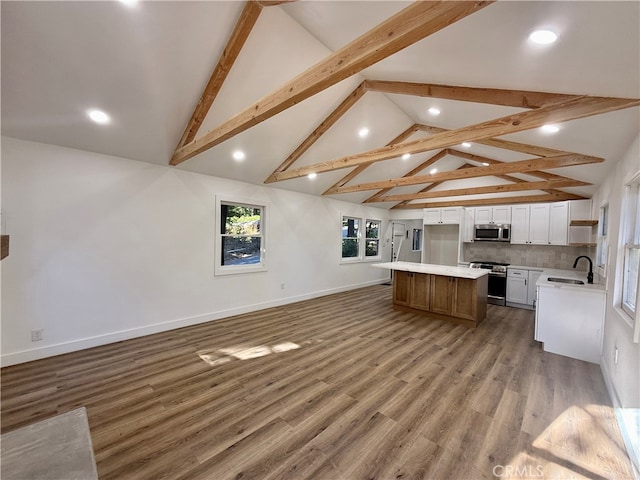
x=534, y=275
x=521, y=287
x=570, y=322
x=517, y=285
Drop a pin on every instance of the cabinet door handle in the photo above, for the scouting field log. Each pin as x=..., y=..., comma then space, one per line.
x=525, y=281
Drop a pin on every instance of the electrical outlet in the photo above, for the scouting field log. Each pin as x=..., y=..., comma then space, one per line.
x=282, y=286
x=36, y=335
x=615, y=355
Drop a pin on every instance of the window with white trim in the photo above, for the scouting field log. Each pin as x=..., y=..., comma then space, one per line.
x=631, y=238
x=372, y=238
x=416, y=244
x=350, y=237
x=240, y=238
x=603, y=240
x=360, y=239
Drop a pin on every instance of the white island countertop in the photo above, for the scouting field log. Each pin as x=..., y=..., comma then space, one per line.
x=444, y=270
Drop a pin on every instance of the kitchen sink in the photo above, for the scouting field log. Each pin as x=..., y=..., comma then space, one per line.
x=565, y=280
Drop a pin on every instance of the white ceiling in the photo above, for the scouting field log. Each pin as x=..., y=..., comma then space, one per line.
x=147, y=66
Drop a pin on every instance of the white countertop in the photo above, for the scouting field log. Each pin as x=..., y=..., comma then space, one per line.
x=597, y=285
x=445, y=270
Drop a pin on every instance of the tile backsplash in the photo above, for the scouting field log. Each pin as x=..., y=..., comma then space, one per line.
x=547, y=256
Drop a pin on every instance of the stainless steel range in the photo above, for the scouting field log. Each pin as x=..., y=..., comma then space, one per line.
x=497, y=281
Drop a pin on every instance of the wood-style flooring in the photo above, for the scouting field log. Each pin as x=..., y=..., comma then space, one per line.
x=340, y=387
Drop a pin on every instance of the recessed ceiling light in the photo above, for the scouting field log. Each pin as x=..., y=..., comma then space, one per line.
x=312, y=175
x=465, y=144
x=434, y=111
x=99, y=116
x=239, y=155
x=129, y=3
x=406, y=156
x=485, y=164
x=433, y=170
x=363, y=132
x=543, y=37
x=550, y=128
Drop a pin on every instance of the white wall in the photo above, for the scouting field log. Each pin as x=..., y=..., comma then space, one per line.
x=622, y=378
x=106, y=248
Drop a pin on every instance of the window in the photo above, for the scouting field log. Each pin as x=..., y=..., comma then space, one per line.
x=350, y=237
x=357, y=247
x=240, y=242
x=631, y=232
x=417, y=240
x=603, y=240
x=372, y=240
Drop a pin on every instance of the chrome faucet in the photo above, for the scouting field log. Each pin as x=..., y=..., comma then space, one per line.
x=590, y=274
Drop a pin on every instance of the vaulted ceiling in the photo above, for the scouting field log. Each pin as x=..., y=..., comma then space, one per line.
x=291, y=84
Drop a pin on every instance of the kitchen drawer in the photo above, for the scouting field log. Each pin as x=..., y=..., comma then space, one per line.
x=516, y=272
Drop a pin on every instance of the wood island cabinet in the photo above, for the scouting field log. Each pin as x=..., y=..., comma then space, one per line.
x=456, y=299
x=412, y=290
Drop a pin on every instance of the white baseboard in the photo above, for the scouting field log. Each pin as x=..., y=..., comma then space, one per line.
x=24, y=356
x=627, y=422
x=613, y=395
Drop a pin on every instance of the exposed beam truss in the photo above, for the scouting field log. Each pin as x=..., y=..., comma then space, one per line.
x=580, y=107
x=413, y=23
x=490, y=201
x=521, y=166
x=236, y=41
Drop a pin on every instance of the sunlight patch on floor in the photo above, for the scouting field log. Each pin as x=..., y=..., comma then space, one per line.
x=220, y=356
x=581, y=443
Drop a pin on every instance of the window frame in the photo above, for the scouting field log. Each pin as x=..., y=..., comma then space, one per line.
x=629, y=240
x=378, y=255
x=221, y=270
x=358, y=238
x=362, y=239
x=416, y=237
x=602, y=249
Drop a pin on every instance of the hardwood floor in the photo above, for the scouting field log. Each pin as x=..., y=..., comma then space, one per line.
x=341, y=387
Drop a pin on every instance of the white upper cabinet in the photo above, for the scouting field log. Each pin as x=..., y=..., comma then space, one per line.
x=540, y=224
x=520, y=224
x=468, y=225
x=559, y=223
x=485, y=215
x=436, y=216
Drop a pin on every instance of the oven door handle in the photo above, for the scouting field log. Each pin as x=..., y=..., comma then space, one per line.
x=498, y=274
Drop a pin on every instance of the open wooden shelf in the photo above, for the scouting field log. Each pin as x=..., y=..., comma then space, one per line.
x=583, y=223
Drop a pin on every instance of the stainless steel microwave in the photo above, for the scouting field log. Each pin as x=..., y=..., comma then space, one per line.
x=493, y=232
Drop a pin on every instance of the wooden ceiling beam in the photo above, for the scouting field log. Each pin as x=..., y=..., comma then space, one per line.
x=461, y=192
x=415, y=22
x=358, y=170
x=326, y=124
x=430, y=161
x=491, y=161
x=434, y=184
x=504, y=144
x=580, y=107
x=493, y=96
x=489, y=201
x=521, y=166
x=273, y=3
x=234, y=45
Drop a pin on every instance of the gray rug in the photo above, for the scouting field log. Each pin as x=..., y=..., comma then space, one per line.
x=58, y=448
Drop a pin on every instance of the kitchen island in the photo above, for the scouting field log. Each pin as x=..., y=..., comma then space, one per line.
x=454, y=294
